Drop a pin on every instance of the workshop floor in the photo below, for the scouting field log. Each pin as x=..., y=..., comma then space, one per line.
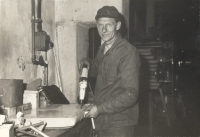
x=184, y=123
x=182, y=127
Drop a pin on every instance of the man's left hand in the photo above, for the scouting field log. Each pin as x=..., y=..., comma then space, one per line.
x=93, y=112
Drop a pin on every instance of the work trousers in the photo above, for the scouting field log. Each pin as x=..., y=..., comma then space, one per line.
x=117, y=132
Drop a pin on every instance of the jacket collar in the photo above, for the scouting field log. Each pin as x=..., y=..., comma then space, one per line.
x=112, y=49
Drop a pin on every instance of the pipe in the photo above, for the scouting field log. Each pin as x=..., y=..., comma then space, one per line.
x=33, y=31
x=34, y=61
x=45, y=70
x=39, y=27
x=38, y=19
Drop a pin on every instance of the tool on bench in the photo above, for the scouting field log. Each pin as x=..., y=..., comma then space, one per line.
x=21, y=126
x=41, y=125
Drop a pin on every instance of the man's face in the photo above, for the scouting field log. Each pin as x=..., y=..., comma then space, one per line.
x=107, y=28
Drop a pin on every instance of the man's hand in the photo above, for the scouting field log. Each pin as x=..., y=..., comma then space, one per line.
x=82, y=62
x=93, y=112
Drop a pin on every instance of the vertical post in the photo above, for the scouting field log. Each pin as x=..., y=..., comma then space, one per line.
x=150, y=14
x=150, y=114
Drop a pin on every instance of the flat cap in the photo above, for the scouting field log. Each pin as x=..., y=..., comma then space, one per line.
x=108, y=11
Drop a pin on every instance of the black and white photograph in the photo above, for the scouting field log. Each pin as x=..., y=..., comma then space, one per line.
x=99, y=68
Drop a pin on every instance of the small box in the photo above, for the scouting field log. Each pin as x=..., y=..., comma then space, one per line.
x=32, y=97
x=11, y=92
x=7, y=129
x=41, y=41
x=9, y=111
x=2, y=119
x=24, y=107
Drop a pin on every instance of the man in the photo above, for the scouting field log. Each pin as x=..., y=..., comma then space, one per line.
x=115, y=109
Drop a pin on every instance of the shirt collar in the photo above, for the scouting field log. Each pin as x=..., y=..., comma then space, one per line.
x=109, y=45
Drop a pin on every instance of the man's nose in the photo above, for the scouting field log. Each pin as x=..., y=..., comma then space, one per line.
x=104, y=29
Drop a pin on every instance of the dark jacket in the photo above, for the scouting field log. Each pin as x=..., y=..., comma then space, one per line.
x=116, y=91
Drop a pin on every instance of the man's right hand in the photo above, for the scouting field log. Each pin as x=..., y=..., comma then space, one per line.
x=82, y=62
x=91, y=112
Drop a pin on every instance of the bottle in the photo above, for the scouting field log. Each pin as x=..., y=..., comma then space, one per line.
x=83, y=83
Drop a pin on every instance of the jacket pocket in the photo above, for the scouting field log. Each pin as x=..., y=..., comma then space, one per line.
x=111, y=74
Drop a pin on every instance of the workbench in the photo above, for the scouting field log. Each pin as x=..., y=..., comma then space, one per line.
x=63, y=120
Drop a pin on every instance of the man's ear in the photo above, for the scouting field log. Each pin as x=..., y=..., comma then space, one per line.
x=118, y=25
